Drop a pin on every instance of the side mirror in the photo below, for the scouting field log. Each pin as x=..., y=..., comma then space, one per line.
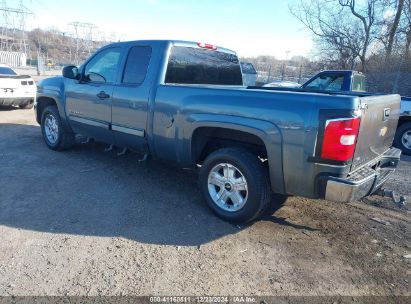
x=71, y=72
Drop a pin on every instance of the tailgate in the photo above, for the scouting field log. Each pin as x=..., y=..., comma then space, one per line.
x=378, y=126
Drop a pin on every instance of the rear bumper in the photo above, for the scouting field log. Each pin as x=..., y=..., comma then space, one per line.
x=362, y=182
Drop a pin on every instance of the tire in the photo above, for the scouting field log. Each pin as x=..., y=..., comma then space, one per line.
x=28, y=105
x=401, y=141
x=55, y=135
x=247, y=204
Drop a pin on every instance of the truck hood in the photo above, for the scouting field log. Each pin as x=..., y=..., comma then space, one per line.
x=53, y=83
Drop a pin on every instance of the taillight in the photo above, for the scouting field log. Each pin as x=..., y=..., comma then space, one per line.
x=340, y=136
x=206, y=46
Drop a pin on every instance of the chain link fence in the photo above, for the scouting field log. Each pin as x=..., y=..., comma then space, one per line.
x=388, y=78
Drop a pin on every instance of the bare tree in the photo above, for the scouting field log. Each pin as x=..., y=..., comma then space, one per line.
x=407, y=29
x=367, y=19
x=391, y=25
x=394, y=28
x=346, y=28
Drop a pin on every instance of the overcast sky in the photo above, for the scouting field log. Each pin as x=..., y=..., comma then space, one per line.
x=250, y=27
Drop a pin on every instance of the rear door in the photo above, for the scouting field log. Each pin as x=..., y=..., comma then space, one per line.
x=130, y=99
x=378, y=126
x=88, y=102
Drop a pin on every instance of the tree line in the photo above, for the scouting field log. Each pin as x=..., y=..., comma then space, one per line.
x=352, y=34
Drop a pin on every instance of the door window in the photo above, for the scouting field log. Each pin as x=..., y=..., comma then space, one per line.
x=103, y=66
x=137, y=64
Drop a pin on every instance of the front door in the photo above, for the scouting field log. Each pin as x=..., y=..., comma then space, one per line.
x=89, y=101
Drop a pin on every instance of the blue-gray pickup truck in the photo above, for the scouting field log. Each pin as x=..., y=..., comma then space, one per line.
x=185, y=103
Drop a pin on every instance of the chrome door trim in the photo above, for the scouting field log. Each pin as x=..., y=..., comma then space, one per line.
x=136, y=132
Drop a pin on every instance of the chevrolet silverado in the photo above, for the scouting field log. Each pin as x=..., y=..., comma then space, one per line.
x=185, y=103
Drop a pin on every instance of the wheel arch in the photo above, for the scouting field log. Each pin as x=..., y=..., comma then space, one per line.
x=261, y=137
x=404, y=119
x=50, y=98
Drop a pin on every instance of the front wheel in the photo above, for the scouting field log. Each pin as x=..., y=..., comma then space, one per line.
x=235, y=184
x=403, y=138
x=55, y=135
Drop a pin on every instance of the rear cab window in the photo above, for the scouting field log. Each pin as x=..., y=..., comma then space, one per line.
x=190, y=65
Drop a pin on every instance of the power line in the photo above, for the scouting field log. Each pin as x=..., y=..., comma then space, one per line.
x=54, y=12
x=13, y=37
x=83, y=33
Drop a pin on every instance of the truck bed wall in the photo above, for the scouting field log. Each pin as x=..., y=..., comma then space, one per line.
x=286, y=122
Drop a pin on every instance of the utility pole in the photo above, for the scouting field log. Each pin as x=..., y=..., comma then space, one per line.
x=269, y=74
x=285, y=65
x=13, y=27
x=83, y=34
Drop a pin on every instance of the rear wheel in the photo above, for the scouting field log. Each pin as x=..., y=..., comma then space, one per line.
x=403, y=138
x=54, y=133
x=235, y=184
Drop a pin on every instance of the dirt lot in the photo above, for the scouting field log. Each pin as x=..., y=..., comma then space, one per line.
x=85, y=222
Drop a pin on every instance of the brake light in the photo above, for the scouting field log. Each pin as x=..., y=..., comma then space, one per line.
x=340, y=136
x=206, y=46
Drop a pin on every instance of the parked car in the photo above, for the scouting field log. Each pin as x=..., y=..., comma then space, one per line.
x=349, y=80
x=282, y=84
x=249, y=74
x=185, y=102
x=16, y=90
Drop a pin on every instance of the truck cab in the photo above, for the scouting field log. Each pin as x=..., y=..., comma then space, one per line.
x=337, y=80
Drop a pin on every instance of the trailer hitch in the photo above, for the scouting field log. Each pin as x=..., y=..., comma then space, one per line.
x=399, y=200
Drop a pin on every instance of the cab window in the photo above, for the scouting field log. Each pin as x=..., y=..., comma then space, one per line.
x=358, y=83
x=328, y=82
x=137, y=64
x=188, y=65
x=103, y=66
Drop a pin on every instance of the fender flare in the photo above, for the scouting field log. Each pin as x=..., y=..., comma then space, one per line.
x=57, y=98
x=266, y=131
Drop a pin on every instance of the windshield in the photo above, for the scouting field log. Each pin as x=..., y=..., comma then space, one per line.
x=7, y=71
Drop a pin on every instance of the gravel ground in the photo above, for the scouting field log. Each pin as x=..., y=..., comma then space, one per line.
x=85, y=222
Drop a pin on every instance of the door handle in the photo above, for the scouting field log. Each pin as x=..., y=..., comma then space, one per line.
x=103, y=95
